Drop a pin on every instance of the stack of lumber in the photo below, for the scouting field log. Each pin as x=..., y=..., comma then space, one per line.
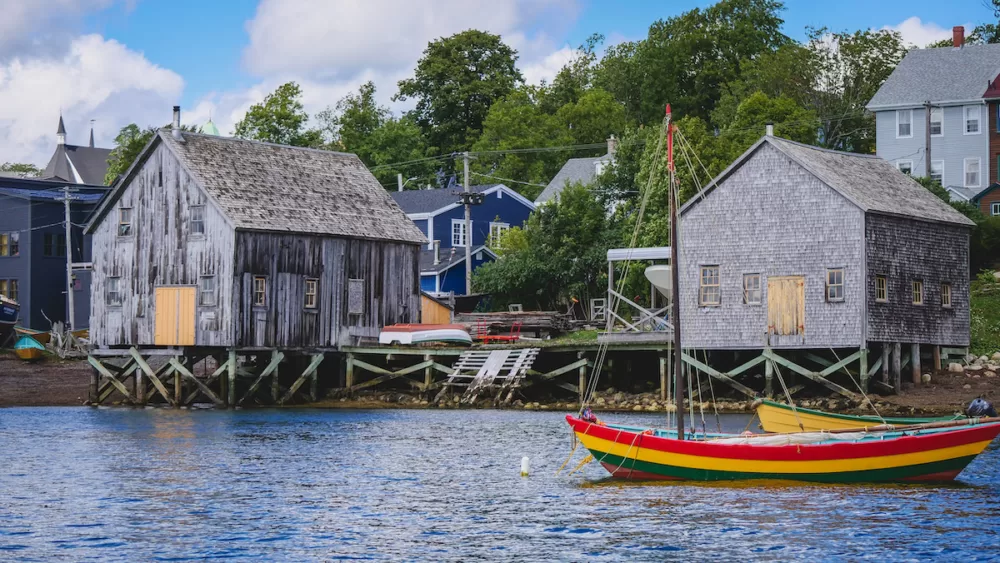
x=550, y=322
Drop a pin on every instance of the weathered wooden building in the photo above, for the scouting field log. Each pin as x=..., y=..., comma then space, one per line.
x=794, y=246
x=219, y=242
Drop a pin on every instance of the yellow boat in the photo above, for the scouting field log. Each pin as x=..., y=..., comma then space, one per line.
x=41, y=336
x=780, y=418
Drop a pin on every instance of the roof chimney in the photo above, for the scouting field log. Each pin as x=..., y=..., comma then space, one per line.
x=175, y=127
x=769, y=129
x=612, y=145
x=437, y=252
x=958, y=35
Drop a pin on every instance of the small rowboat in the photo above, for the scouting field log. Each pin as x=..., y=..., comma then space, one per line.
x=779, y=417
x=40, y=336
x=932, y=452
x=28, y=349
x=424, y=334
x=9, y=311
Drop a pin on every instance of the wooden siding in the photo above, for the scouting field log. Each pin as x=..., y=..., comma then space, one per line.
x=161, y=252
x=994, y=134
x=987, y=200
x=774, y=218
x=432, y=312
x=905, y=250
x=390, y=288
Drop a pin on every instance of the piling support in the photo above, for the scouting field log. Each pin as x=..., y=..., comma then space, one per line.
x=178, y=388
x=897, y=353
x=350, y=372
x=769, y=379
x=275, y=384
x=936, y=352
x=232, y=378
x=663, y=376
x=885, y=363
x=583, y=378
x=915, y=362
x=94, y=379
x=863, y=364
x=428, y=373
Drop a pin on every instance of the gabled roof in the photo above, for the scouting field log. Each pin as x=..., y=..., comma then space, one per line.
x=450, y=257
x=77, y=164
x=963, y=193
x=576, y=170
x=978, y=196
x=429, y=201
x=940, y=75
x=268, y=187
x=869, y=182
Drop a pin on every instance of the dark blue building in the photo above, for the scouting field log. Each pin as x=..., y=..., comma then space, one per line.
x=441, y=218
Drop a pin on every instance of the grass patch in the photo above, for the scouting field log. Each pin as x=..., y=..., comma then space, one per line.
x=984, y=327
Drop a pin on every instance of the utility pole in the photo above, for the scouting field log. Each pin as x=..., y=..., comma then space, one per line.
x=468, y=228
x=927, y=140
x=71, y=311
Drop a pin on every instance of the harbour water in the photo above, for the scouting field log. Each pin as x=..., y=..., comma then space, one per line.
x=79, y=484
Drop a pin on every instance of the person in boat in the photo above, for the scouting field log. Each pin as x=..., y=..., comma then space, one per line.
x=980, y=407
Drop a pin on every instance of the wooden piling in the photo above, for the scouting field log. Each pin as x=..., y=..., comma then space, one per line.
x=915, y=362
x=663, y=376
x=863, y=366
x=936, y=352
x=897, y=353
x=769, y=379
x=428, y=372
x=885, y=362
x=94, y=380
x=178, y=387
x=140, y=386
x=232, y=379
x=583, y=378
x=275, y=383
x=350, y=372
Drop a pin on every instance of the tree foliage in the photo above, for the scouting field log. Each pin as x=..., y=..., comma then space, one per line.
x=455, y=83
x=128, y=144
x=21, y=169
x=280, y=119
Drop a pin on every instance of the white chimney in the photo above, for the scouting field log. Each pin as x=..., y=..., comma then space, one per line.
x=175, y=129
x=769, y=129
x=399, y=181
x=437, y=252
x=612, y=145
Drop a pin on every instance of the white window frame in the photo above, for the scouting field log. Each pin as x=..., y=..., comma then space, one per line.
x=965, y=171
x=497, y=229
x=206, y=291
x=458, y=238
x=311, y=295
x=704, y=289
x=917, y=291
x=966, y=120
x=946, y=294
x=198, y=220
x=900, y=163
x=830, y=284
x=752, y=295
x=260, y=290
x=125, y=221
x=941, y=163
x=898, y=113
x=885, y=288
x=113, y=292
x=940, y=112
x=995, y=208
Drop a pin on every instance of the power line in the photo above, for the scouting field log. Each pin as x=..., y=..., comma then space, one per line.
x=508, y=180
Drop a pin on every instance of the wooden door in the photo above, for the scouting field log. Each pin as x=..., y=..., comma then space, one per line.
x=786, y=305
x=175, y=316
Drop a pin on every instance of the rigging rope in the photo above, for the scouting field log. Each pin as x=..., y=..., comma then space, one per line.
x=788, y=396
x=858, y=385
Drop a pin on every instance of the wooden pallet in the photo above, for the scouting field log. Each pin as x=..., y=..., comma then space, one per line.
x=489, y=372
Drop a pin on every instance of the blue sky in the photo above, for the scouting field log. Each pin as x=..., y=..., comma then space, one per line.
x=121, y=61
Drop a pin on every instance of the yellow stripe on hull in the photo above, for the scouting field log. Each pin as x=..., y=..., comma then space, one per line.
x=773, y=467
x=783, y=421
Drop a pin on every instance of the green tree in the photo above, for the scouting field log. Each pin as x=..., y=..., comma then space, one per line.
x=619, y=73
x=399, y=140
x=22, y=169
x=354, y=118
x=280, y=119
x=791, y=121
x=788, y=72
x=574, y=78
x=455, y=83
x=593, y=117
x=128, y=144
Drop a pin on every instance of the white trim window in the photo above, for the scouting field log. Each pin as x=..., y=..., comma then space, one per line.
x=124, y=221
x=835, y=284
x=918, y=292
x=709, y=291
x=972, y=172
x=881, y=289
x=946, y=294
x=206, y=291
x=905, y=166
x=197, y=220
x=259, y=291
x=973, y=119
x=995, y=208
x=113, y=293
x=904, y=123
x=937, y=171
x=937, y=122
x=458, y=232
x=312, y=289
x=497, y=230
x=751, y=289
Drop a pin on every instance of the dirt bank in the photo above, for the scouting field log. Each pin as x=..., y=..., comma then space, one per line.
x=50, y=382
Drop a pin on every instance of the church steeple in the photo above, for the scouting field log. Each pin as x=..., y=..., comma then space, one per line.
x=91, y=133
x=61, y=132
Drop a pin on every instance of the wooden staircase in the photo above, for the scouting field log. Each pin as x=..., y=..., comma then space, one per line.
x=489, y=372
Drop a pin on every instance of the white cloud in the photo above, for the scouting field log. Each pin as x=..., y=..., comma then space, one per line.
x=25, y=20
x=546, y=68
x=95, y=78
x=916, y=32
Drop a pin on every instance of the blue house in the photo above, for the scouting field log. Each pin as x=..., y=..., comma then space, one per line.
x=441, y=218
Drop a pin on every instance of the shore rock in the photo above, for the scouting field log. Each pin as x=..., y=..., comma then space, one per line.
x=995, y=357
x=925, y=378
x=637, y=408
x=989, y=374
x=966, y=386
x=955, y=367
x=974, y=367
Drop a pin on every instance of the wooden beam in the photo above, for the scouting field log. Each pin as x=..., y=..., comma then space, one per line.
x=231, y=387
x=769, y=380
x=915, y=363
x=313, y=366
x=104, y=371
x=936, y=357
x=897, y=368
x=276, y=359
x=724, y=377
x=817, y=377
x=863, y=369
x=388, y=374
x=157, y=384
x=180, y=369
x=842, y=364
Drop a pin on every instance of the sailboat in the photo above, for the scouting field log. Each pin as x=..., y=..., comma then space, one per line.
x=932, y=451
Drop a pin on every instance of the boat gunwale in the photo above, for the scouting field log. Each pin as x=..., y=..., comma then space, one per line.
x=860, y=417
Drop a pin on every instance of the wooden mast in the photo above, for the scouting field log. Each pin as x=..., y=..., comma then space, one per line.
x=675, y=314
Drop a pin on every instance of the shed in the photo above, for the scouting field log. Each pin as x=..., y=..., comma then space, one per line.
x=794, y=246
x=215, y=241
x=434, y=311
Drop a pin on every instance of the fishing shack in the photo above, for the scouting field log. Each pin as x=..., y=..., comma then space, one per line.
x=211, y=245
x=795, y=247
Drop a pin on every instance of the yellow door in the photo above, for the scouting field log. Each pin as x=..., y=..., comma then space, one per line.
x=786, y=305
x=175, y=316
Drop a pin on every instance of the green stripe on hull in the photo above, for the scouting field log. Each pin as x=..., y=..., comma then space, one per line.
x=868, y=476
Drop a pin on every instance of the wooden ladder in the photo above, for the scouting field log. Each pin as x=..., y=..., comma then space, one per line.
x=484, y=371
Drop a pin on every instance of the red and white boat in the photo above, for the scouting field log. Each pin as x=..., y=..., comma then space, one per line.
x=424, y=334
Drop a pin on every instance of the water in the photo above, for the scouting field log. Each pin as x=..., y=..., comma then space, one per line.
x=311, y=485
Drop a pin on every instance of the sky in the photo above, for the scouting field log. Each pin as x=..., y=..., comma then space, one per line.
x=115, y=62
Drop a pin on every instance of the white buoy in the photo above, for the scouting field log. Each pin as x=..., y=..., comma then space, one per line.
x=524, y=466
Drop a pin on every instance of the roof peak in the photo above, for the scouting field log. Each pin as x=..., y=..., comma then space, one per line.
x=61, y=130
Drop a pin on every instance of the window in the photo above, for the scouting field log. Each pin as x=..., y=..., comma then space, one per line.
x=937, y=122
x=125, y=221
x=496, y=231
x=259, y=291
x=10, y=244
x=206, y=291
x=61, y=245
x=458, y=232
x=881, y=289
x=972, y=172
x=835, y=284
x=946, y=295
x=355, y=296
x=905, y=166
x=995, y=208
x=751, y=289
x=311, y=285
x=709, y=293
x=8, y=288
x=197, y=219
x=918, y=292
x=48, y=245
x=972, y=114
x=113, y=295
x=937, y=171
x=904, y=123
x=3, y=288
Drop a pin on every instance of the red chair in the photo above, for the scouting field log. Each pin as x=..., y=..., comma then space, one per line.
x=514, y=336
